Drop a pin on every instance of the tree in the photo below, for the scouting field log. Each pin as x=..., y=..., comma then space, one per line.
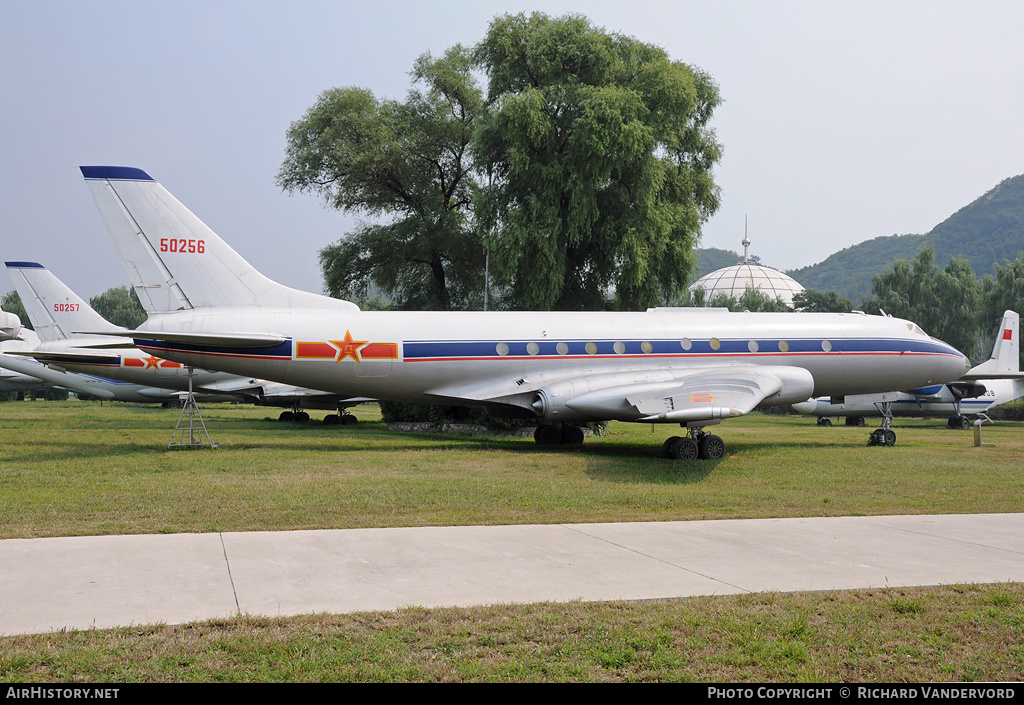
x=407, y=163
x=121, y=306
x=1004, y=292
x=598, y=156
x=812, y=301
x=944, y=303
x=11, y=303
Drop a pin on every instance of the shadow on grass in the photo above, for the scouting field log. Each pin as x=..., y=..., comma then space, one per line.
x=628, y=463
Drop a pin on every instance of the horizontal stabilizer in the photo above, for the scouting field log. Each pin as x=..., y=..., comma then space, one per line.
x=239, y=340
x=71, y=357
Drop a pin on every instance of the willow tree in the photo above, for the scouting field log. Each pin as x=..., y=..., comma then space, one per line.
x=121, y=306
x=944, y=302
x=598, y=154
x=406, y=164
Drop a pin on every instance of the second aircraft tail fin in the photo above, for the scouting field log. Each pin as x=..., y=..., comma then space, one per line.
x=1006, y=351
x=54, y=309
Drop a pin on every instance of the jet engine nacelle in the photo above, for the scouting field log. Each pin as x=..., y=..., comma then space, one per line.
x=10, y=325
x=550, y=402
x=966, y=390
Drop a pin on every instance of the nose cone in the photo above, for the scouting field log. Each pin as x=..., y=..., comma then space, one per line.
x=952, y=366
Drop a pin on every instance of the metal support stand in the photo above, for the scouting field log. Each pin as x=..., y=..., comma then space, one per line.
x=195, y=431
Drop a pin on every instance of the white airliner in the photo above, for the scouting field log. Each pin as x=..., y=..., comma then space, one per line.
x=692, y=367
x=20, y=373
x=15, y=338
x=955, y=401
x=56, y=312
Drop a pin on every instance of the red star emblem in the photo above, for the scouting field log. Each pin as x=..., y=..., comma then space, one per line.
x=348, y=347
x=151, y=361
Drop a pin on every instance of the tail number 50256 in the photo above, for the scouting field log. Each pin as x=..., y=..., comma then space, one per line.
x=182, y=245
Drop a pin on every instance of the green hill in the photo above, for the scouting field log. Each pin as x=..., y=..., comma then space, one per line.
x=712, y=258
x=987, y=232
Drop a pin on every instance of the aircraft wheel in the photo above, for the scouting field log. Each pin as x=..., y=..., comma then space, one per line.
x=889, y=437
x=286, y=416
x=963, y=423
x=547, y=435
x=683, y=448
x=859, y=421
x=713, y=447
x=332, y=420
x=301, y=417
x=667, y=445
x=572, y=435
x=825, y=422
x=349, y=420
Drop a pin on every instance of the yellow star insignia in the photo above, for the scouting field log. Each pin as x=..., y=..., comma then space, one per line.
x=348, y=347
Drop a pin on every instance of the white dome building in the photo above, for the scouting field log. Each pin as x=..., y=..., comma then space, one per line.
x=733, y=281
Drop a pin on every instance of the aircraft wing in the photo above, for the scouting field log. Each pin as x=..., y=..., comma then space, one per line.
x=972, y=376
x=663, y=395
x=67, y=380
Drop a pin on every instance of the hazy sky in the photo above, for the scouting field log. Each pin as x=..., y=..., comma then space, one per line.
x=841, y=121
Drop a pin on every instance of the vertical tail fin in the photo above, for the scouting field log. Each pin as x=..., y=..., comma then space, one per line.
x=54, y=309
x=1006, y=351
x=175, y=262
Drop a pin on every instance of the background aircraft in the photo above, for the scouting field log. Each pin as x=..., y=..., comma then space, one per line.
x=15, y=338
x=58, y=314
x=694, y=367
x=954, y=401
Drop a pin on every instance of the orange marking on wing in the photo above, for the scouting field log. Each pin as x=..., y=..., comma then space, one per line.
x=702, y=398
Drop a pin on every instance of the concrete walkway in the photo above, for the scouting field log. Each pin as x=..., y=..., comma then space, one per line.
x=106, y=581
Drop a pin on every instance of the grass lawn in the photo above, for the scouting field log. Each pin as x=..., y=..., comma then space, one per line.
x=78, y=468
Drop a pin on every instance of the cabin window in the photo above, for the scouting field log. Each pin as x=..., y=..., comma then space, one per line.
x=685, y=342
x=646, y=346
x=562, y=348
x=783, y=346
x=502, y=349
x=532, y=348
x=752, y=346
x=826, y=346
x=619, y=347
x=591, y=348
x=715, y=344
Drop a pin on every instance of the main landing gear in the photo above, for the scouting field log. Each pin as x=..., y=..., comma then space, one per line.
x=298, y=416
x=884, y=436
x=340, y=419
x=558, y=434
x=698, y=445
x=961, y=422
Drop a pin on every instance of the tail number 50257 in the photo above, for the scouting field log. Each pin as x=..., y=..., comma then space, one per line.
x=182, y=245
